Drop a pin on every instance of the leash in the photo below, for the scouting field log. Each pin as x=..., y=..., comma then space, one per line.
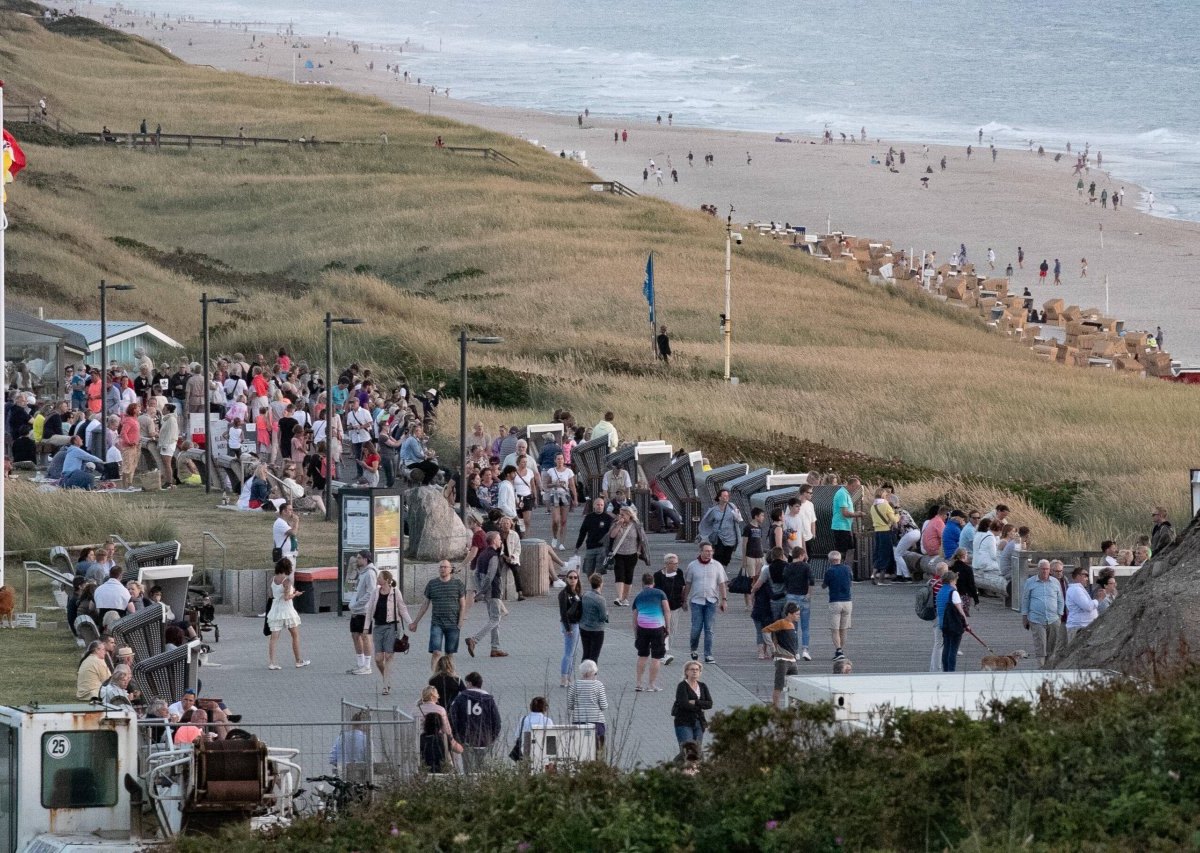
x=981, y=642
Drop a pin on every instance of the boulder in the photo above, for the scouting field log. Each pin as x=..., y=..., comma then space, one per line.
x=435, y=532
x=1154, y=625
x=990, y=582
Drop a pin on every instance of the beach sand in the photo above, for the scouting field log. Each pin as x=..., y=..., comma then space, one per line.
x=1021, y=199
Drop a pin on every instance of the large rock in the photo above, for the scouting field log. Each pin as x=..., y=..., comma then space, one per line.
x=435, y=532
x=1154, y=625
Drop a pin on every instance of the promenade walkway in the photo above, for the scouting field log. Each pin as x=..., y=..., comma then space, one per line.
x=886, y=636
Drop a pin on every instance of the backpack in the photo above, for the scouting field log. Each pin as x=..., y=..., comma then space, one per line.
x=926, y=603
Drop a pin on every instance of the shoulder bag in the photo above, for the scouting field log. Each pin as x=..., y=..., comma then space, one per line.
x=401, y=645
x=515, y=752
x=611, y=559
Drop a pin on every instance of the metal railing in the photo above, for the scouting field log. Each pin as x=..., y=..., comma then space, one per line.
x=55, y=576
x=206, y=574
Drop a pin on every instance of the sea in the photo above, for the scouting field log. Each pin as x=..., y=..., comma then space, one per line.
x=1117, y=77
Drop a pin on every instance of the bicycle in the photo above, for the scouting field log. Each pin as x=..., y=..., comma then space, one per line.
x=332, y=795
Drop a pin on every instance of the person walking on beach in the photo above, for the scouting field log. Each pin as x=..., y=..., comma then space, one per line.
x=1092, y=192
x=1083, y=267
x=991, y=258
x=645, y=175
x=1043, y=268
x=616, y=137
x=1057, y=271
x=962, y=253
x=748, y=159
x=624, y=135
x=690, y=158
x=1020, y=258
x=658, y=176
x=981, y=136
x=1104, y=197
x=1149, y=201
x=993, y=153
x=968, y=152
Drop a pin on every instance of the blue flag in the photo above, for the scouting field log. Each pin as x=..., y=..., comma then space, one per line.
x=648, y=286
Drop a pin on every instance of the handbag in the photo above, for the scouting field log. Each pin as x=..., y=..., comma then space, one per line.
x=610, y=559
x=515, y=752
x=741, y=585
x=266, y=627
x=401, y=645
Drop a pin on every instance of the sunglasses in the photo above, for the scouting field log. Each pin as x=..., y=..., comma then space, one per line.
x=572, y=577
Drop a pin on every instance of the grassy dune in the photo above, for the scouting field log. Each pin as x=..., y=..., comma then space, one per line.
x=531, y=253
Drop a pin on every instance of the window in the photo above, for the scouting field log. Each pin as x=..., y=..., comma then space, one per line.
x=79, y=770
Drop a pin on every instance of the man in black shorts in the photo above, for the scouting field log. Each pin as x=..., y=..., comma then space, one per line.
x=650, y=615
x=360, y=627
x=669, y=580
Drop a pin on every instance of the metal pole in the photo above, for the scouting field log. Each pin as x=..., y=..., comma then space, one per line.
x=103, y=372
x=728, y=310
x=329, y=386
x=462, y=425
x=208, y=467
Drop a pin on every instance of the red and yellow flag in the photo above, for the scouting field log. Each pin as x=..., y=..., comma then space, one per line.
x=13, y=160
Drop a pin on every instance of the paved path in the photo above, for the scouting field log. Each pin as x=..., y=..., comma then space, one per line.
x=886, y=637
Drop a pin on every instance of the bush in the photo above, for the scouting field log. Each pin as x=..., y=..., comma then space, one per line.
x=1104, y=767
x=36, y=520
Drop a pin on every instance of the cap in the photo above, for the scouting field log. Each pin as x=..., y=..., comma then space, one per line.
x=365, y=554
x=124, y=651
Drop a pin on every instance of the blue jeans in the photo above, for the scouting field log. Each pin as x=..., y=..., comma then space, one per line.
x=570, y=640
x=883, y=558
x=693, y=732
x=805, y=605
x=443, y=639
x=703, y=616
x=950, y=651
x=759, y=624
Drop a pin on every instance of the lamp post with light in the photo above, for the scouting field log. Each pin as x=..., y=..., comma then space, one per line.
x=463, y=340
x=330, y=320
x=205, y=301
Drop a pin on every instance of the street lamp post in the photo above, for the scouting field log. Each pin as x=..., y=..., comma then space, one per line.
x=104, y=377
x=330, y=384
x=204, y=303
x=463, y=340
x=728, y=324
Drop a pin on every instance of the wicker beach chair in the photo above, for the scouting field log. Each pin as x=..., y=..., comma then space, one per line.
x=142, y=632
x=166, y=675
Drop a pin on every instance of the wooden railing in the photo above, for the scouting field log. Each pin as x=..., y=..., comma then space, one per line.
x=486, y=153
x=614, y=187
x=190, y=140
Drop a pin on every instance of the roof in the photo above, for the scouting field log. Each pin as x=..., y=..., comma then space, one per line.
x=118, y=330
x=19, y=321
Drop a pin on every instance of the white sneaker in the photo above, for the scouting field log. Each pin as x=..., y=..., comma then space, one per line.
x=559, y=584
x=553, y=543
x=365, y=670
x=667, y=660
x=804, y=654
x=562, y=547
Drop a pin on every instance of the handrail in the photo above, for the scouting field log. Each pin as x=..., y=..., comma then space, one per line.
x=488, y=153
x=204, y=536
x=42, y=569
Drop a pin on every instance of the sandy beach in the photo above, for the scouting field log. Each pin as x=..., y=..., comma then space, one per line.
x=1020, y=199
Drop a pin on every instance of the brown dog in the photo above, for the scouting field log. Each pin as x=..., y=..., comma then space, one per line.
x=1003, y=663
x=8, y=603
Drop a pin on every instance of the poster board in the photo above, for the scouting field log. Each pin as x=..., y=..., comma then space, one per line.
x=372, y=519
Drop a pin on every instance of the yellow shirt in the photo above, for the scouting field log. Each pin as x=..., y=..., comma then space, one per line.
x=883, y=516
x=93, y=672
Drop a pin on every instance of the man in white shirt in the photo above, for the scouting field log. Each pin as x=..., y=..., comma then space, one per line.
x=800, y=521
x=1082, y=609
x=359, y=424
x=112, y=594
x=706, y=589
x=616, y=479
x=283, y=533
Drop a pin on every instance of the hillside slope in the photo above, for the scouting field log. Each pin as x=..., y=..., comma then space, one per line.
x=419, y=241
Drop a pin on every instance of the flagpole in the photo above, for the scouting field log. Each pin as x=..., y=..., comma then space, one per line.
x=3, y=322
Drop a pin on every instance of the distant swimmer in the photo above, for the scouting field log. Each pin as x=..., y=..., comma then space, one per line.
x=1083, y=267
x=981, y=136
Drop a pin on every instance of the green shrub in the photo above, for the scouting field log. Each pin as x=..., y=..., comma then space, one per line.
x=1104, y=767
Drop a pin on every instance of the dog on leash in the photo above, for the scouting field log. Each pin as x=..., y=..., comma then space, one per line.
x=8, y=603
x=1003, y=663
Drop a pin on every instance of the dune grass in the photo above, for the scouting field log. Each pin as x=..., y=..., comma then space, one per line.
x=529, y=252
x=35, y=520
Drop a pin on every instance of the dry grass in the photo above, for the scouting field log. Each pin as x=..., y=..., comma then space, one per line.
x=35, y=520
x=820, y=356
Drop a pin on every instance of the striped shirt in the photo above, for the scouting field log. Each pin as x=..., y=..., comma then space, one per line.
x=587, y=701
x=444, y=598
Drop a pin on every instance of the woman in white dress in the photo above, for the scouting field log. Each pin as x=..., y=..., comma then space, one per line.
x=283, y=614
x=558, y=485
